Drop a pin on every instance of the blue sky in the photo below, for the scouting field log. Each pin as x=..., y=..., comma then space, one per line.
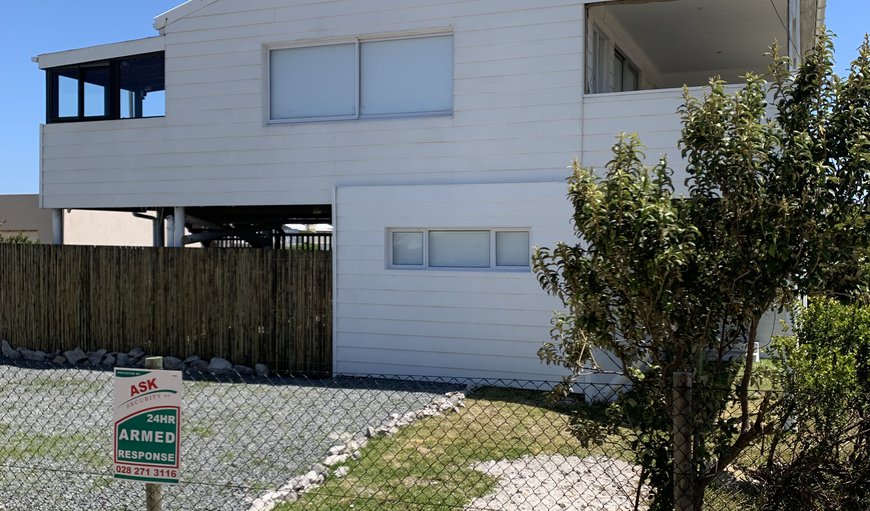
x=41, y=26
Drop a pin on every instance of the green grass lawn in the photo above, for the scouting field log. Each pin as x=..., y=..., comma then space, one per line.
x=427, y=465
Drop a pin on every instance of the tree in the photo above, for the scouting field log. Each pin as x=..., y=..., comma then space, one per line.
x=671, y=283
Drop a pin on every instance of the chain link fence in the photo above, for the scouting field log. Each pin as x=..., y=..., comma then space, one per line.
x=255, y=443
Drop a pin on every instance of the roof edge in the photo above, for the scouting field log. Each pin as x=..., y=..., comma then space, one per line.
x=176, y=13
x=100, y=52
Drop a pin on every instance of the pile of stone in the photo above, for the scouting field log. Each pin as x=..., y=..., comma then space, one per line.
x=134, y=358
x=452, y=401
x=342, y=453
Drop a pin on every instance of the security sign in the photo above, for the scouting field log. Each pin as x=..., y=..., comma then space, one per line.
x=147, y=406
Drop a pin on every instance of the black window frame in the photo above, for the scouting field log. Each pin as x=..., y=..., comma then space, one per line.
x=112, y=98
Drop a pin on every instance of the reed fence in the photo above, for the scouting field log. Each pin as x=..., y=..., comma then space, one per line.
x=249, y=306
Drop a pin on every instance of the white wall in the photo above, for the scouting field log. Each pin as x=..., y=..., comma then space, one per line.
x=518, y=84
x=652, y=114
x=463, y=323
x=111, y=228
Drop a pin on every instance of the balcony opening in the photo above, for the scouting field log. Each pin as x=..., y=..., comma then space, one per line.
x=141, y=86
x=663, y=44
x=123, y=88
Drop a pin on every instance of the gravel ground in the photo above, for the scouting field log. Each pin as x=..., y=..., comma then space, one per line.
x=239, y=438
x=552, y=481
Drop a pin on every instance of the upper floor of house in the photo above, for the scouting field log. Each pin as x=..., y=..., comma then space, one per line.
x=261, y=102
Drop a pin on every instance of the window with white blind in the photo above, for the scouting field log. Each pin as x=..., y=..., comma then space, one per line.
x=459, y=248
x=411, y=76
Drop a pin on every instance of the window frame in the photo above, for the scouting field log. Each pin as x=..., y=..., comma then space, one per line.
x=358, y=42
x=493, y=259
x=112, y=98
x=620, y=58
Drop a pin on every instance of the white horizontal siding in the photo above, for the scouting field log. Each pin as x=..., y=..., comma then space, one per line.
x=652, y=114
x=470, y=323
x=517, y=104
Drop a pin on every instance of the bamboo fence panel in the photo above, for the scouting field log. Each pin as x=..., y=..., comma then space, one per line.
x=247, y=305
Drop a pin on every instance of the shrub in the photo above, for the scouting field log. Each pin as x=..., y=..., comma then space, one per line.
x=825, y=371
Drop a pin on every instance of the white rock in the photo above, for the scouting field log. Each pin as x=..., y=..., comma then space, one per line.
x=335, y=459
x=341, y=472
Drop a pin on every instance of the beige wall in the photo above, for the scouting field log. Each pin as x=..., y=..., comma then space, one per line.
x=22, y=214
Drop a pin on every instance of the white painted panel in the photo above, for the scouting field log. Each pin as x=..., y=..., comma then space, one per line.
x=651, y=114
x=469, y=322
x=443, y=314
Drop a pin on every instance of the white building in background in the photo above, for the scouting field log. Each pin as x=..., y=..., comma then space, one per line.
x=433, y=135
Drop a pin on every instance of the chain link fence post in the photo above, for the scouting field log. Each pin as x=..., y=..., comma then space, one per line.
x=683, y=442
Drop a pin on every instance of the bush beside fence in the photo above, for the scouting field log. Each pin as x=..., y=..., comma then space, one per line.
x=249, y=306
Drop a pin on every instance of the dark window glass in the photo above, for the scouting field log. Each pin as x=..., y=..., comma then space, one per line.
x=122, y=88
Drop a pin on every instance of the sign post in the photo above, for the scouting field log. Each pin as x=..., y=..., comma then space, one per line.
x=147, y=428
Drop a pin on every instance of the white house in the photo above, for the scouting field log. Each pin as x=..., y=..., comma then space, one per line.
x=433, y=135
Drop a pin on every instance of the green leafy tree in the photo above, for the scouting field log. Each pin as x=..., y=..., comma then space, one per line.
x=672, y=283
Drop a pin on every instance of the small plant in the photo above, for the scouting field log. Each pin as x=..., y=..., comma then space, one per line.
x=16, y=238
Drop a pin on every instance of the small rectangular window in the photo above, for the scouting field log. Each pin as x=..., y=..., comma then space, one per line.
x=512, y=248
x=458, y=248
x=408, y=248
